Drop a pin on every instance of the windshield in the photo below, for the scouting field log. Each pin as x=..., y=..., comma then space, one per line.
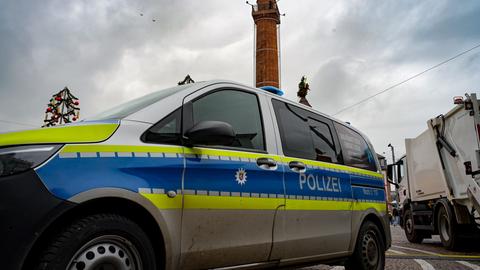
x=132, y=106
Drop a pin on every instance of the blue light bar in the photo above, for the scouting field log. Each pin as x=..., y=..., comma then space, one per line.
x=273, y=90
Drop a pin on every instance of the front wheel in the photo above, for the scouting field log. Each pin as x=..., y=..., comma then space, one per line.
x=101, y=241
x=413, y=236
x=369, y=253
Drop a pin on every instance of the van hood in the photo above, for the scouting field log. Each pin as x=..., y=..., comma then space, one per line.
x=82, y=132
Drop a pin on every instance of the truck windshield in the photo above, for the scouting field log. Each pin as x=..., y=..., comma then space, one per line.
x=123, y=110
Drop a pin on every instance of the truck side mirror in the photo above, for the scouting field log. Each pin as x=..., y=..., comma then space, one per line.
x=395, y=184
x=390, y=168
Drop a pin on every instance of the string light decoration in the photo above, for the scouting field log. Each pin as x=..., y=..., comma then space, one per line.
x=62, y=109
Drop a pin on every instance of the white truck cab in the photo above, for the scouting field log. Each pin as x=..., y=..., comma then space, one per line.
x=440, y=187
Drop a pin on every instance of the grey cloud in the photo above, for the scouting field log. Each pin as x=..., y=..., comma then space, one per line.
x=333, y=83
x=107, y=53
x=368, y=46
x=47, y=45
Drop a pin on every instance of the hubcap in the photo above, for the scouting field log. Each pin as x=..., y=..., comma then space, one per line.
x=409, y=224
x=445, y=227
x=107, y=252
x=370, y=250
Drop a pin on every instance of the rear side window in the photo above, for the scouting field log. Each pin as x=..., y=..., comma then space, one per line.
x=239, y=109
x=294, y=131
x=303, y=134
x=356, y=152
x=322, y=141
x=166, y=131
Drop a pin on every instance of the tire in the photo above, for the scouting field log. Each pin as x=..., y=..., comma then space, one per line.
x=369, y=253
x=413, y=236
x=447, y=228
x=108, y=240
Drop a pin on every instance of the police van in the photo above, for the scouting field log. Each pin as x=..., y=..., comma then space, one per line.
x=206, y=175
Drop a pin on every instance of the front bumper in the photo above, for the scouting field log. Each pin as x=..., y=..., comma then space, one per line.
x=27, y=208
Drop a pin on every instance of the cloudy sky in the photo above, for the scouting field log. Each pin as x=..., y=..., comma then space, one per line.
x=107, y=53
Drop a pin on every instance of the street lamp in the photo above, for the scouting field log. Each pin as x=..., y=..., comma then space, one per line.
x=393, y=162
x=393, y=152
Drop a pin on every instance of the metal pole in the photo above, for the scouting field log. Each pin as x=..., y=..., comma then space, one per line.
x=63, y=95
x=254, y=54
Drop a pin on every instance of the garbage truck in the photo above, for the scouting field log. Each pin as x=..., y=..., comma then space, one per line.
x=438, y=180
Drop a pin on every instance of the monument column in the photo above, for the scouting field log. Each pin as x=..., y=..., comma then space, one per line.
x=266, y=17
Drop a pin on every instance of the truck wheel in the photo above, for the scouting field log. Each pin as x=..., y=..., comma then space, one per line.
x=446, y=225
x=101, y=241
x=413, y=236
x=369, y=253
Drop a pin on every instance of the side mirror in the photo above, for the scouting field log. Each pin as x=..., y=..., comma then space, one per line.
x=395, y=184
x=211, y=133
x=390, y=168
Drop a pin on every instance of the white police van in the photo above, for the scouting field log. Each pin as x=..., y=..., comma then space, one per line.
x=207, y=175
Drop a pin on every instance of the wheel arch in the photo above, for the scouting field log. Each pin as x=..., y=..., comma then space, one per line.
x=375, y=217
x=119, y=201
x=406, y=205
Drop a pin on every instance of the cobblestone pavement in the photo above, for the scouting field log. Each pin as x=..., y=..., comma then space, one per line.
x=430, y=255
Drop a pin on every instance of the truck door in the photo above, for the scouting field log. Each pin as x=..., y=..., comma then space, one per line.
x=231, y=193
x=318, y=207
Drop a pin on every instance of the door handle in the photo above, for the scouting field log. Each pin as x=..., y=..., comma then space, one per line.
x=297, y=166
x=267, y=163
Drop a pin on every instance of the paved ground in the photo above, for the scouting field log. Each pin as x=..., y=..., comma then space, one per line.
x=430, y=255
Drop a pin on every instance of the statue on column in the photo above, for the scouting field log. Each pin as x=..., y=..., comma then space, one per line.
x=303, y=89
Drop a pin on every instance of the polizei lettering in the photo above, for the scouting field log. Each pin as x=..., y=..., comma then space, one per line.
x=322, y=183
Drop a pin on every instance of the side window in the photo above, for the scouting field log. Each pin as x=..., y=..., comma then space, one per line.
x=322, y=141
x=167, y=131
x=302, y=135
x=294, y=131
x=356, y=152
x=240, y=109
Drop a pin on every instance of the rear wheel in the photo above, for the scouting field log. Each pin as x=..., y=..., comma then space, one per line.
x=447, y=226
x=413, y=236
x=99, y=242
x=369, y=253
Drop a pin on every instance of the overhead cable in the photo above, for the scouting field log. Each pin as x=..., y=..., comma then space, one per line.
x=406, y=80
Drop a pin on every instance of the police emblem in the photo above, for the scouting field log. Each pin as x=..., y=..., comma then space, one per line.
x=241, y=176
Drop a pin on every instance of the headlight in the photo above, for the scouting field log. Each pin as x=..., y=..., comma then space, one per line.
x=18, y=159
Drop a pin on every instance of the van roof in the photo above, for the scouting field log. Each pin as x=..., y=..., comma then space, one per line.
x=131, y=106
x=267, y=93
